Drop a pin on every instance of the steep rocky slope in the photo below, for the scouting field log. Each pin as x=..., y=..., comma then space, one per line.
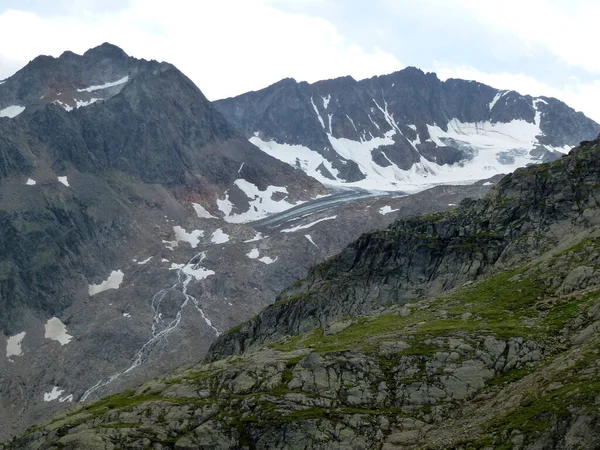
x=404, y=130
x=87, y=193
x=124, y=235
x=477, y=328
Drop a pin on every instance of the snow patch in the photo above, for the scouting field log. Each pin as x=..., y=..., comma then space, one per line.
x=12, y=111
x=299, y=157
x=194, y=269
x=201, y=212
x=30, y=182
x=219, y=237
x=13, y=345
x=63, y=180
x=516, y=134
x=487, y=183
x=54, y=394
x=386, y=210
x=57, y=331
x=113, y=281
x=490, y=149
x=145, y=261
x=181, y=235
x=267, y=260
x=104, y=86
x=125, y=314
x=308, y=225
x=261, y=202
x=360, y=153
x=253, y=254
x=326, y=101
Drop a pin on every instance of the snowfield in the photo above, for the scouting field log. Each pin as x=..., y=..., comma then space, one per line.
x=496, y=148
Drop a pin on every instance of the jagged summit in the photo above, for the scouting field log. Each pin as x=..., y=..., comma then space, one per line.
x=71, y=80
x=404, y=130
x=105, y=50
x=107, y=161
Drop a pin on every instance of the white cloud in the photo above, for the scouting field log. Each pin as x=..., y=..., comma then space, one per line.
x=568, y=28
x=578, y=95
x=226, y=47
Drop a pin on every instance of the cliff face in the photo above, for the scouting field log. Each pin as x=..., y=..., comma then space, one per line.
x=477, y=328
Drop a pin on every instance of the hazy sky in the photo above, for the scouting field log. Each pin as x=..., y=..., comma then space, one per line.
x=537, y=47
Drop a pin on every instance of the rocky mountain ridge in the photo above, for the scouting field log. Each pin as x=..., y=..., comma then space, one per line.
x=477, y=328
x=404, y=130
x=125, y=235
x=88, y=192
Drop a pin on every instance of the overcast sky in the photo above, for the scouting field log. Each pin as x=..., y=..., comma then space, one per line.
x=227, y=47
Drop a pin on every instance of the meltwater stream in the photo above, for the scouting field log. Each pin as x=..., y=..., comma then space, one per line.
x=161, y=328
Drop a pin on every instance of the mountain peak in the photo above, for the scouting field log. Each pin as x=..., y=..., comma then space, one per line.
x=106, y=50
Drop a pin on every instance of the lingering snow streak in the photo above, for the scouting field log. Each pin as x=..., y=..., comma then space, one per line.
x=104, y=86
x=113, y=281
x=386, y=210
x=496, y=98
x=317, y=113
x=326, y=101
x=257, y=237
x=161, y=328
x=64, y=181
x=308, y=225
x=352, y=122
x=538, y=113
x=30, y=182
x=310, y=239
x=81, y=103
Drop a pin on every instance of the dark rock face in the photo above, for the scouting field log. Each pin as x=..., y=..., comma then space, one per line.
x=401, y=109
x=47, y=79
x=159, y=129
x=88, y=186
